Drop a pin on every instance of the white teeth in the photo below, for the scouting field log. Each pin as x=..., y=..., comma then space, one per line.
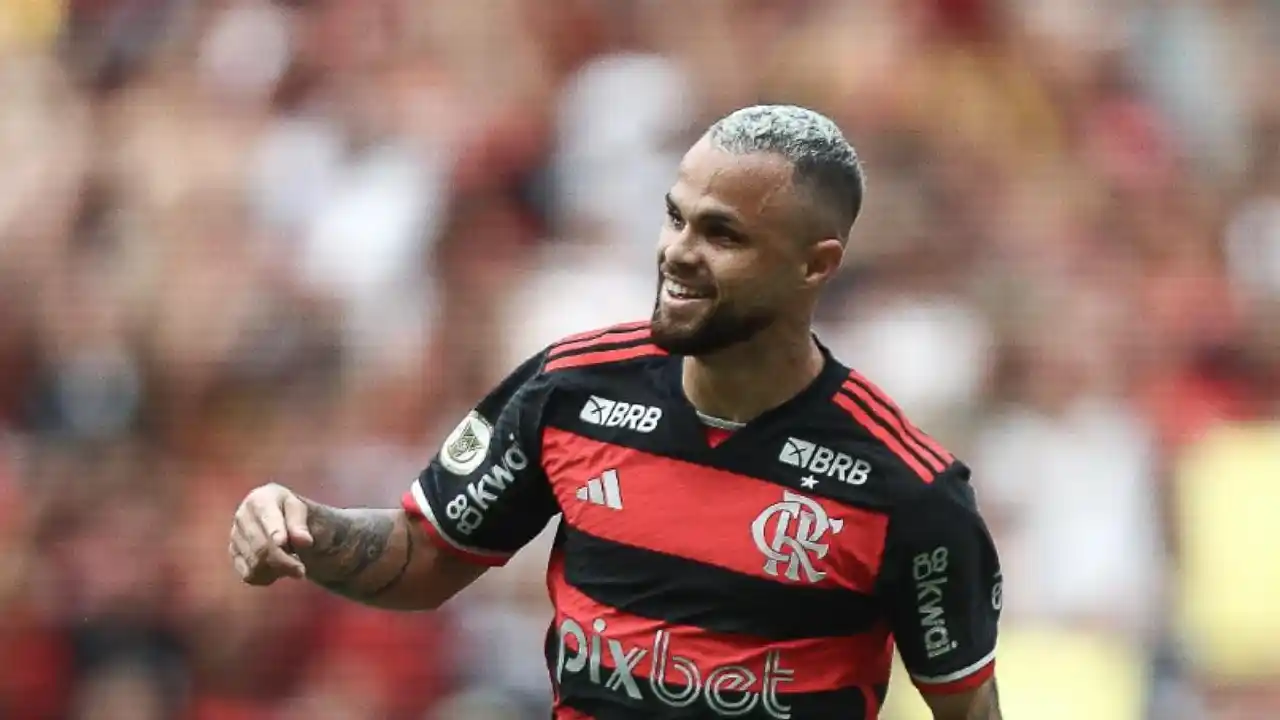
x=682, y=292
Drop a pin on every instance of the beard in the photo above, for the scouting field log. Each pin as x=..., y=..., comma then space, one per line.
x=719, y=328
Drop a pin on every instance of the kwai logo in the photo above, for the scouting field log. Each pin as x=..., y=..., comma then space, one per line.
x=930, y=573
x=675, y=681
x=468, y=508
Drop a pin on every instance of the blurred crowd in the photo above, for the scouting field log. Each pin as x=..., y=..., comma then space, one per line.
x=244, y=240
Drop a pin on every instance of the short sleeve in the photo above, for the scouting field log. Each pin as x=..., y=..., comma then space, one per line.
x=485, y=495
x=940, y=579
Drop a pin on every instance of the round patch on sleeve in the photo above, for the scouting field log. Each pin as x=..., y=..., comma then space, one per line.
x=467, y=446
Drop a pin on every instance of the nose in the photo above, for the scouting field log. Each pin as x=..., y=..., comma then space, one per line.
x=679, y=249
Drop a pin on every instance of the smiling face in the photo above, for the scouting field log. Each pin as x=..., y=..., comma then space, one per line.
x=735, y=254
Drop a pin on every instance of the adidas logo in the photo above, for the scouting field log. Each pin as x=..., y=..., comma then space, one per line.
x=603, y=490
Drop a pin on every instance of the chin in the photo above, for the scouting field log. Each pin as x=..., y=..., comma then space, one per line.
x=676, y=338
x=698, y=339
x=704, y=330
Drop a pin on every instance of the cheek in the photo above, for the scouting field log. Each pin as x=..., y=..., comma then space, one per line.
x=771, y=287
x=746, y=287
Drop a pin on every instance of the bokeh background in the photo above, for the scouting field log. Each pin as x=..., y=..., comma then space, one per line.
x=243, y=241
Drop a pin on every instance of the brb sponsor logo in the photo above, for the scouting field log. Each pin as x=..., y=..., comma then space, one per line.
x=615, y=413
x=821, y=460
x=791, y=533
x=468, y=509
x=929, y=570
x=675, y=681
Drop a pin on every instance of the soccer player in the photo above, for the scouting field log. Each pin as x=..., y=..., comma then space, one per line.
x=747, y=525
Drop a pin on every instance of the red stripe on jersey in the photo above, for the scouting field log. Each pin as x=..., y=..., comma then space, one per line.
x=883, y=435
x=410, y=505
x=716, y=435
x=891, y=420
x=872, y=710
x=885, y=401
x=969, y=682
x=607, y=339
x=621, y=327
x=712, y=516
x=603, y=356
x=815, y=664
x=566, y=713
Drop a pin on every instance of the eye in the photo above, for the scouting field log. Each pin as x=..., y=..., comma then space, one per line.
x=673, y=217
x=724, y=236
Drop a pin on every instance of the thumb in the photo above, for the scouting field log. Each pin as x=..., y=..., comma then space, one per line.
x=295, y=521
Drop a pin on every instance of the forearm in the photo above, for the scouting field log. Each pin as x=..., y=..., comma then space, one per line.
x=986, y=705
x=371, y=556
x=981, y=703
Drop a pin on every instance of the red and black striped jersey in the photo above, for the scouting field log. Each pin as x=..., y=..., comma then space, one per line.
x=768, y=575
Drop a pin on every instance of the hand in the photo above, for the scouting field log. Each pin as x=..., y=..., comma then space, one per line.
x=270, y=524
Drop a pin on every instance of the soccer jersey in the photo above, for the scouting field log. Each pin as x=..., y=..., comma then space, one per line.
x=765, y=575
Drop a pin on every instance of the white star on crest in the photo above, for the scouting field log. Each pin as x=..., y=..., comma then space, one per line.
x=809, y=482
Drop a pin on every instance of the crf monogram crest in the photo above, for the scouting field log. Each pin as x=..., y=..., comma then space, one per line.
x=790, y=533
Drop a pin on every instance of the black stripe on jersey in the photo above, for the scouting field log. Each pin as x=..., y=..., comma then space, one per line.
x=604, y=346
x=684, y=592
x=580, y=692
x=611, y=339
x=908, y=444
x=590, y=335
x=915, y=440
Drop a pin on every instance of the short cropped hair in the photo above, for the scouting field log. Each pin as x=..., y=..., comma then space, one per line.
x=824, y=164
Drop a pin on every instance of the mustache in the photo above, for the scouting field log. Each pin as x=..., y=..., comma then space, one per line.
x=687, y=276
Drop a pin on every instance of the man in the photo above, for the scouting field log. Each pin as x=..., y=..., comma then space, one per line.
x=747, y=525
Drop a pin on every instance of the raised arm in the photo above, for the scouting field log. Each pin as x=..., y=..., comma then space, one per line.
x=481, y=498
x=377, y=557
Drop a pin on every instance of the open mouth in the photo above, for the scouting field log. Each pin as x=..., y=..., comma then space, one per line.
x=677, y=290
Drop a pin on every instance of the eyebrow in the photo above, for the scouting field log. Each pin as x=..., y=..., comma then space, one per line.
x=724, y=217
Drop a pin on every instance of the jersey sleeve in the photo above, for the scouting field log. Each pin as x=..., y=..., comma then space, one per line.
x=940, y=579
x=484, y=495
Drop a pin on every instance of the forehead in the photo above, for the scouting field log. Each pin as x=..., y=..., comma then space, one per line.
x=753, y=187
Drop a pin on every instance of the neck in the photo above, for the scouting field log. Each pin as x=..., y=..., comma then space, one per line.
x=743, y=381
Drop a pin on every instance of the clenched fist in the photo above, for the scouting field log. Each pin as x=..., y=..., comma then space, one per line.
x=269, y=525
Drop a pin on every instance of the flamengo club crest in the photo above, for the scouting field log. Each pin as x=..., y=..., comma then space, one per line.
x=790, y=534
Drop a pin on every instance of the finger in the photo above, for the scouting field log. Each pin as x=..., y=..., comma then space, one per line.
x=242, y=568
x=247, y=564
x=271, y=518
x=259, y=551
x=295, y=521
x=263, y=570
x=240, y=548
x=249, y=530
x=282, y=561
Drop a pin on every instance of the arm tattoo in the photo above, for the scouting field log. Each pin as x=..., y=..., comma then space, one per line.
x=355, y=554
x=404, y=567
x=987, y=705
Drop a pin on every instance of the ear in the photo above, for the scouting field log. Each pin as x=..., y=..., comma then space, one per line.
x=823, y=262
